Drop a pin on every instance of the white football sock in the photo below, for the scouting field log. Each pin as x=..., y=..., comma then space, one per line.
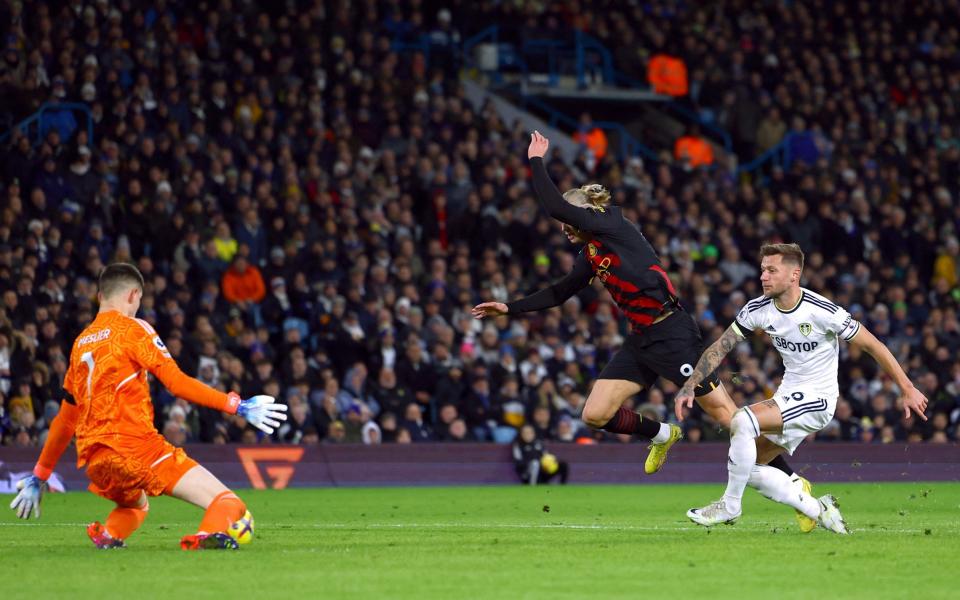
x=663, y=435
x=779, y=487
x=741, y=458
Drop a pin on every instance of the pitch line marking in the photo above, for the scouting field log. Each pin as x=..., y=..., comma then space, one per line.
x=753, y=528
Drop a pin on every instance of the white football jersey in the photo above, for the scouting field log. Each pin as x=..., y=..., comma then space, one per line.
x=806, y=335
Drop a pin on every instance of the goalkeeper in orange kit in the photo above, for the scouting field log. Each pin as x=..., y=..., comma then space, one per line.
x=107, y=406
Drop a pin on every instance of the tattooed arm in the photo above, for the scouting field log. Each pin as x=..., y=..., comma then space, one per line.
x=709, y=361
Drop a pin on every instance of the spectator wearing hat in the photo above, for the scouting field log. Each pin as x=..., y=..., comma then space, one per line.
x=354, y=389
x=371, y=434
x=384, y=353
x=354, y=422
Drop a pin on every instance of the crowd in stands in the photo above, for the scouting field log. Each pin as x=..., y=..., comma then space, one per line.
x=315, y=212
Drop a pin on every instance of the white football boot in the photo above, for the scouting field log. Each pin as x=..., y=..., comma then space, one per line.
x=830, y=517
x=712, y=514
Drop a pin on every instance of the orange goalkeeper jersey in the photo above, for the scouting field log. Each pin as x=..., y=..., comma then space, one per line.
x=107, y=379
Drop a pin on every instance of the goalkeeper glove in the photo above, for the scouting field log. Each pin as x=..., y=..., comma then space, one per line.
x=263, y=412
x=31, y=491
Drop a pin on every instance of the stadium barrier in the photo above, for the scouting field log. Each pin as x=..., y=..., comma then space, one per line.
x=478, y=464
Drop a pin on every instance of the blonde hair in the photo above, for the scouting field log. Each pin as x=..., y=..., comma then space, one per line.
x=592, y=195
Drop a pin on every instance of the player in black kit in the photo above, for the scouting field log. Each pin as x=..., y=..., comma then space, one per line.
x=665, y=340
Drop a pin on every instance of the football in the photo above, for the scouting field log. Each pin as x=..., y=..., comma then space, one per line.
x=242, y=529
x=549, y=463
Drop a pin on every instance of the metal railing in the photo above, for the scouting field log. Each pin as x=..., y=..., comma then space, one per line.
x=421, y=44
x=489, y=35
x=583, y=53
x=583, y=45
x=780, y=155
x=40, y=120
x=706, y=126
x=629, y=145
x=589, y=56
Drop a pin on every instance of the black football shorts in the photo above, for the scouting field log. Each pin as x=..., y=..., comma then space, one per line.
x=668, y=349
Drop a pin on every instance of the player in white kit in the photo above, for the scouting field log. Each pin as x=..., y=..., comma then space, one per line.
x=806, y=329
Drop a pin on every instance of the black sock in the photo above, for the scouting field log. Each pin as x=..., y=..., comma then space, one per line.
x=647, y=428
x=779, y=463
x=627, y=421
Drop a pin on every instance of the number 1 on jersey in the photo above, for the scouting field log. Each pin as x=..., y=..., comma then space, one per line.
x=87, y=359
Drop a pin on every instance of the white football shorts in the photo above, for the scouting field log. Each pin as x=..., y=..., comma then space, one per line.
x=805, y=410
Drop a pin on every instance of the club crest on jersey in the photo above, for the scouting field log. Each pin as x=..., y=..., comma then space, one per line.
x=806, y=328
x=591, y=250
x=602, y=268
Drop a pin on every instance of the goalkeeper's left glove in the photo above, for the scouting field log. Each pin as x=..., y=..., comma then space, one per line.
x=263, y=412
x=31, y=491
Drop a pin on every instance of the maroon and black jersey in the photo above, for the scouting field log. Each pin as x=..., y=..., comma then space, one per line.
x=617, y=254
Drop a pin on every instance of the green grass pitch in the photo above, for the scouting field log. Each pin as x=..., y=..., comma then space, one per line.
x=501, y=542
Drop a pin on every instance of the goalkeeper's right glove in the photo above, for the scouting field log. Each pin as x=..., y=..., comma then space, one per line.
x=263, y=412
x=31, y=491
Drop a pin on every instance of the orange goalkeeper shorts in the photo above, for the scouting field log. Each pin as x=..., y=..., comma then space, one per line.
x=155, y=468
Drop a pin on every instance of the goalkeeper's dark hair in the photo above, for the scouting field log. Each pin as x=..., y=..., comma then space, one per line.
x=119, y=276
x=791, y=253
